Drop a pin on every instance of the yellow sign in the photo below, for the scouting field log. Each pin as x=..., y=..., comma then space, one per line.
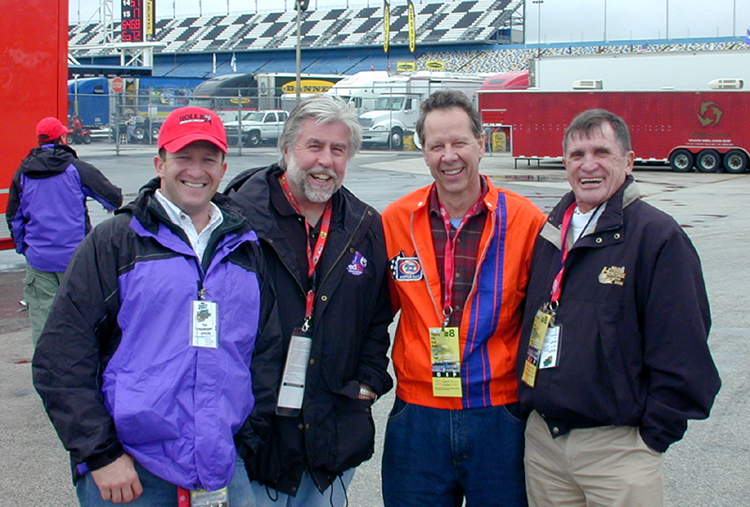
x=386, y=26
x=412, y=27
x=434, y=65
x=149, y=21
x=406, y=66
x=237, y=100
x=307, y=86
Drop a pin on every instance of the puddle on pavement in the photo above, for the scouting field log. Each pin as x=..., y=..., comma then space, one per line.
x=530, y=177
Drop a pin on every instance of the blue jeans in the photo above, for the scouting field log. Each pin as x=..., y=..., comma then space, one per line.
x=160, y=493
x=308, y=494
x=437, y=457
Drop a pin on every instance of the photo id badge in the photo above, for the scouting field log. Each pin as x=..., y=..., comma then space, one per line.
x=542, y=321
x=446, y=362
x=551, y=347
x=205, y=324
x=292, y=390
x=203, y=498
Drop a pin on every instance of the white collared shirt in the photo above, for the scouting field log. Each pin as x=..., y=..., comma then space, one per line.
x=199, y=242
x=584, y=223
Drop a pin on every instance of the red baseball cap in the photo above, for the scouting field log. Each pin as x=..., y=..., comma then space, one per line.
x=189, y=124
x=50, y=128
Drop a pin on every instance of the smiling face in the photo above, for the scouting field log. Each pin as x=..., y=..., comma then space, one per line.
x=452, y=153
x=596, y=165
x=191, y=177
x=316, y=164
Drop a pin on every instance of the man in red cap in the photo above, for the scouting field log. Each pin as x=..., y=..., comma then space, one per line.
x=145, y=366
x=47, y=215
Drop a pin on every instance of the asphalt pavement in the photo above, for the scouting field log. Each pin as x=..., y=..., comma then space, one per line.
x=709, y=467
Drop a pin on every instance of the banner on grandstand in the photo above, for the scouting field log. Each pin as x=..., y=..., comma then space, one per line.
x=132, y=21
x=434, y=65
x=406, y=66
x=150, y=16
x=386, y=26
x=412, y=26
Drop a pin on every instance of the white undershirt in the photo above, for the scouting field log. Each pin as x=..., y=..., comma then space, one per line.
x=199, y=242
x=580, y=223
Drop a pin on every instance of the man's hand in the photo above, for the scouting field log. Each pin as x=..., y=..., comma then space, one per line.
x=118, y=481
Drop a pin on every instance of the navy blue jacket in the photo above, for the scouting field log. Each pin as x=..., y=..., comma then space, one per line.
x=635, y=321
x=350, y=339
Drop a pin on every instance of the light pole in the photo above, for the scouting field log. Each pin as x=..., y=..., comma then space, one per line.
x=539, y=25
x=605, y=20
x=667, y=19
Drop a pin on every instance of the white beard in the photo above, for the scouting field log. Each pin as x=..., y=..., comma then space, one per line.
x=311, y=192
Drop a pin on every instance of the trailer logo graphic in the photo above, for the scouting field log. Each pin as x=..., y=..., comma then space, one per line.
x=709, y=114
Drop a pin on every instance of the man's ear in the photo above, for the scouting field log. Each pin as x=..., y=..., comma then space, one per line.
x=159, y=166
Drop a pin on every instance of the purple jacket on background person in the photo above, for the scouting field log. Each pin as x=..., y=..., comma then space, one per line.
x=47, y=215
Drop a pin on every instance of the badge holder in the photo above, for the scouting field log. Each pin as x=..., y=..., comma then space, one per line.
x=205, y=324
x=292, y=391
x=446, y=362
x=543, y=343
x=203, y=498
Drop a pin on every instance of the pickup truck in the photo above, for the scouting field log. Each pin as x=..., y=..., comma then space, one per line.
x=257, y=127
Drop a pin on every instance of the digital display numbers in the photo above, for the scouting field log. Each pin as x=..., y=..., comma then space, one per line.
x=132, y=21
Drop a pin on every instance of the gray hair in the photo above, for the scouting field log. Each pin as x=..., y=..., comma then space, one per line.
x=446, y=99
x=586, y=122
x=323, y=108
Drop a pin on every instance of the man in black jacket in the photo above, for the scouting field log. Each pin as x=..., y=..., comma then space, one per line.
x=613, y=358
x=326, y=253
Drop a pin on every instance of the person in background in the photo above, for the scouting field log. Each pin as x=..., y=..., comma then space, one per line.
x=161, y=359
x=47, y=214
x=326, y=255
x=460, y=252
x=614, y=358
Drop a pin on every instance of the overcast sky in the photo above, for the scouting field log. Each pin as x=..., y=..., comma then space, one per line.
x=561, y=20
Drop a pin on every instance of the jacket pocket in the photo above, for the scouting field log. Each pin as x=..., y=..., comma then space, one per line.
x=354, y=433
x=138, y=417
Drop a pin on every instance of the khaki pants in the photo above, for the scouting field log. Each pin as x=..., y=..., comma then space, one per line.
x=39, y=290
x=609, y=466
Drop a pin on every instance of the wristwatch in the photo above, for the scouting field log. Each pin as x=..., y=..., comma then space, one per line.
x=366, y=391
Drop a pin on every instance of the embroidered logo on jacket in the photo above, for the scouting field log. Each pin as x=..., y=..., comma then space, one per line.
x=614, y=275
x=357, y=265
x=406, y=269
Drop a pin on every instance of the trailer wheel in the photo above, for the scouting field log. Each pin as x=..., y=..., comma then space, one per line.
x=681, y=161
x=735, y=162
x=140, y=134
x=708, y=161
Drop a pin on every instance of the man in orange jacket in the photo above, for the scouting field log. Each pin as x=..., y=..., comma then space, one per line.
x=460, y=251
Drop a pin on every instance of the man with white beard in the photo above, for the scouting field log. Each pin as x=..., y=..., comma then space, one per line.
x=325, y=251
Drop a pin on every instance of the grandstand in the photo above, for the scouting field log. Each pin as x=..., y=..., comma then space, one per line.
x=466, y=36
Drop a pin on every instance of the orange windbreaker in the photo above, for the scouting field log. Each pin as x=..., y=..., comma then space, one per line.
x=491, y=323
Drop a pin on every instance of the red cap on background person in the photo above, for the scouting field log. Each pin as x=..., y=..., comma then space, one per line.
x=189, y=124
x=49, y=129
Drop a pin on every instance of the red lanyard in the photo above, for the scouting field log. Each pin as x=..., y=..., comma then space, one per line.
x=557, y=282
x=313, y=254
x=449, y=267
x=567, y=217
